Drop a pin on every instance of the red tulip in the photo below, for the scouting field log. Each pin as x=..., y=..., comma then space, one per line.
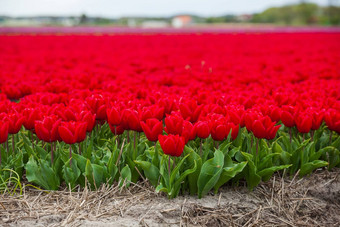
x=47, y=129
x=30, y=116
x=89, y=118
x=131, y=118
x=114, y=116
x=265, y=128
x=188, y=131
x=15, y=121
x=72, y=132
x=202, y=129
x=3, y=131
x=304, y=122
x=234, y=130
x=117, y=130
x=218, y=130
x=332, y=119
x=287, y=116
x=174, y=124
x=152, y=128
x=172, y=144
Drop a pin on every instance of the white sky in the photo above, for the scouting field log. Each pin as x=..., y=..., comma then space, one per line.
x=118, y=8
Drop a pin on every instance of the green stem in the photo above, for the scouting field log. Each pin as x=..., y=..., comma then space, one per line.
x=13, y=143
x=52, y=153
x=70, y=156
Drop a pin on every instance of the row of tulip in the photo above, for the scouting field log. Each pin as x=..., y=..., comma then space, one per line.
x=183, y=126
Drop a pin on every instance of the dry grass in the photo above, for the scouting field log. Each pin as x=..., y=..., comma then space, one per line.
x=310, y=201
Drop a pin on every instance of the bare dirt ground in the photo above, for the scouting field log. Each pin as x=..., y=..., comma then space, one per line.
x=309, y=201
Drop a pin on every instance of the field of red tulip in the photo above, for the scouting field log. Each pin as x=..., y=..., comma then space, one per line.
x=187, y=112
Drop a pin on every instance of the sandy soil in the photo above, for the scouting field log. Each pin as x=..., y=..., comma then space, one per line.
x=310, y=201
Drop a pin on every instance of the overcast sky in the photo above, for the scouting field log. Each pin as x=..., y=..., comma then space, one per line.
x=118, y=8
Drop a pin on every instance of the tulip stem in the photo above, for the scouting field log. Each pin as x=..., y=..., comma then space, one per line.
x=80, y=148
x=128, y=136
x=169, y=166
x=7, y=147
x=312, y=135
x=134, y=145
x=32, y=139
x=0, y=156
x=70, y=156
x=52, y=155
x=330, y=138
x=257, y=146
x=120, y=153
x=290, y=135
x=13, y=143
x=201, y=147
x=251, y=142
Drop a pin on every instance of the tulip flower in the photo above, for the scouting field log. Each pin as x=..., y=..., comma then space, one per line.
x=332, y=119
x=264, y=128
x=172, y=144
x=3, y=131
x=174, y=124
x=287, y=116
x=114, y=116
x=188, y=131
x=152, y=128
x=30, y=116
x=89, y=118
x=202, y=129
x=304, y=122
x=72, y=132
x=47, y=129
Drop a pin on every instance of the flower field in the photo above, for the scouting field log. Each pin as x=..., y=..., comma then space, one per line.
x=189, y=113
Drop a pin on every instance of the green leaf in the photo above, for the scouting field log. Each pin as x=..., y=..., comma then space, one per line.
x=175, y=171
x=334, y=158
x=150, y=170
x=176, y=186
x=210, y=173
x=95, y=174
x=71, y=174
x=228, y=173
x=41, y=174
x=308, y=168
x=112, y=168
x=267, y=173
x=193, y=159
x=125, y=177
x=250, y=171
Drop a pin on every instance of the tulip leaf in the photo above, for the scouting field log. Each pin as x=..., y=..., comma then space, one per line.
x=334, y=158
x=125, y=177
x=95, y=174
x=267, y=173
x=210, y=173
x=193, y=159
x=71, y=174
x=41, y=174
x=252, y=178
x=176, y=186
x=150, y=170
x=228, y=173
x=308, y=167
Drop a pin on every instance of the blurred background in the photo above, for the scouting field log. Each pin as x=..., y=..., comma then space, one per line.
x=175, y=13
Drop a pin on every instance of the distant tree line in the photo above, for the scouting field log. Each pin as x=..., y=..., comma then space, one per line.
x=300, y=14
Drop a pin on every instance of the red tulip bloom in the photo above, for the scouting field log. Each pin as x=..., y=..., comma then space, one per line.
x=265, y=128
x=287, y=116
x=47, y=129
x=317, y=118
x=114, y=116
x=304, y=122
x=117, y=130
x=332, y=119
x=30, y=116
x=3, y=131
x=152, y=128
x=190, y=110
x=152, y=112
x=202, y=129
x=72, y=132
x=218, y=130
x=174, y=124
x=131, y=119
x=172, y=144
x=98, y=107
x=15, y=121
x=234, y=130
x=89, y=118
x=188, y=131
